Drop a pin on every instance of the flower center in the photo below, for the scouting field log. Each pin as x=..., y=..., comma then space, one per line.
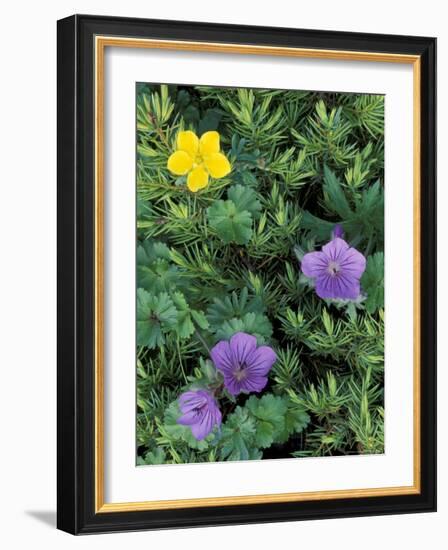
x=333, y=268
x=200, y=407
x=240, y=373
x=197, y=161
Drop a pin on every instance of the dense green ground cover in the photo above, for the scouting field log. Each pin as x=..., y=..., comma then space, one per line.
x=227, y=259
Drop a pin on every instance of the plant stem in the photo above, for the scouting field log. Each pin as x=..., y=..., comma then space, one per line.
x=201, y=339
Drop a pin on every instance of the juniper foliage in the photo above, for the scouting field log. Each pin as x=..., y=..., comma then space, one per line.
x=226, y=259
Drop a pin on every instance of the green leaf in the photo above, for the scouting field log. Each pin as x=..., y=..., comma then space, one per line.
x=371, y=209
x=185, y=316
x=270, y=408
x=276, y=419
x=183, y=99
x=372, y=282
x=246, y=199
x=150, y=250
x=184, y=327
x=264, y=435
x=158, y=277
x=320, y=229
x=155, y=272
x=157, y=456
x=230, y=223
x=334, y=195
x=200, y=318
x=210, y=120
x=252, y=323
x=255, y=454
x=296, y=420
x=237, y=436
x=226, y=307
x=156, y=315
x=364, y=224
x=191, y=114
x=269, y=412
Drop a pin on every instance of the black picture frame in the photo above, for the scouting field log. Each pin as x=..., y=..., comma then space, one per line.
x=76, y=254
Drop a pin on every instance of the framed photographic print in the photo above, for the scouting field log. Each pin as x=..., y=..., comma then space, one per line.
x=246, y=271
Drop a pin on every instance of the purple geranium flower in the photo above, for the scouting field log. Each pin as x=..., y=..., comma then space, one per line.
x=337, y=269
x=200, y=412
x=244, y=365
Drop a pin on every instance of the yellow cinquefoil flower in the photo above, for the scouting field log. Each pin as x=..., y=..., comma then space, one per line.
x=198, y=158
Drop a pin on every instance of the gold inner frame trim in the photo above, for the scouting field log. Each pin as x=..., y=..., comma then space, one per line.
x=101, y=42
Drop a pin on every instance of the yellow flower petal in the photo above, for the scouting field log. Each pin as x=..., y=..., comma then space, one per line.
x=209, y=143
x=217, y=165
x=180, y=163
x=188, y=141
x=197, y=179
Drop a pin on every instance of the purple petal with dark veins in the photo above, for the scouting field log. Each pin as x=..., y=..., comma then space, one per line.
x=222, y=357
x=335, y=249
x=254, y=384
x=189, y=418
x=260, y=361
x=233, y=386
x=242, y=345
x=204, y=427
x=353, y=263
x=191, y=400
x=314, y=264
x=342, y=287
